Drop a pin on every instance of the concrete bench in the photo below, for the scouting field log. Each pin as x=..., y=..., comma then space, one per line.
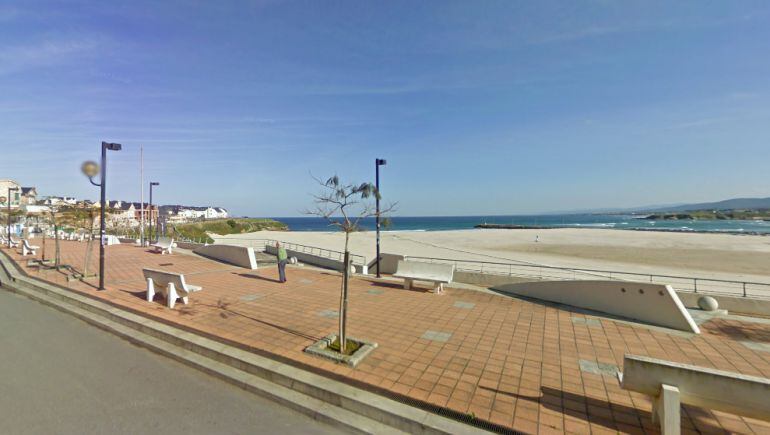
x=27, y=249
x=171, y=285
x=671, y=383
x=4, y=241
x=438, y=274
x=164, y=247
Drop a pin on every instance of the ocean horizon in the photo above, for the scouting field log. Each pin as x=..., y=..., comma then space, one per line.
x=605, y=221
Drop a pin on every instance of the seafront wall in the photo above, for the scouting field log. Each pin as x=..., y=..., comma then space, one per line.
x=231, y=254
x=655, y=304
x=315, y=260
x=733, y=304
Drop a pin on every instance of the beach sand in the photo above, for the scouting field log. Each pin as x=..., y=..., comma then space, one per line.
x=715, y=256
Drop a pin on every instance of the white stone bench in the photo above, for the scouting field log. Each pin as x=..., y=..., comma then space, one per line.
x=171, y=285
x=438, y=274
x=27, y=249
x=671, y=383
x=4, y=241
x=164, y=247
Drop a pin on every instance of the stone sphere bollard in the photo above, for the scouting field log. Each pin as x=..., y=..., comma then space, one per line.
x=292, y=260
x=707, y=303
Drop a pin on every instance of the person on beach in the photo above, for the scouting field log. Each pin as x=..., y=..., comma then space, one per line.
x=282, y=258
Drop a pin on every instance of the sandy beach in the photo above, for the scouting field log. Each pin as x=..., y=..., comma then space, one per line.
x=716, y=256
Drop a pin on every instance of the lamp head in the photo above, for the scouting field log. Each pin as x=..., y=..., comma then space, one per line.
x=154, y=183
x=90, y=168
x=381, y=162
x=112, y=146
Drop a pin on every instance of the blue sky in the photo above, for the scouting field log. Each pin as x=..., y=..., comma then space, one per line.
x=479, y=107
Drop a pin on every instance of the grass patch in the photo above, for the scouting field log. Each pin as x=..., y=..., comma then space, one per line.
x=350, y=348
x=197, y=230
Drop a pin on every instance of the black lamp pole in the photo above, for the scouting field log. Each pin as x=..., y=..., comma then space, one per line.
x=377, y=164
x=153, y=183
x=10, y=189
x=90, y=169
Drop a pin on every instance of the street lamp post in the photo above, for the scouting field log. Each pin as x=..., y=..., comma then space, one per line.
x=153, y=183
x=91, y=169
x=377, y=164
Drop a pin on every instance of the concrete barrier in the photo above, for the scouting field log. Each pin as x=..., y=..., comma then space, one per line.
x=388, y=263
x=655, y=304
x=733, y=304
x=237, y=255
x=671, y=383
x=315, y=260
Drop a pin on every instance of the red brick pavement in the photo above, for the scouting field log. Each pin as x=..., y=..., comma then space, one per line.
x=507, y=361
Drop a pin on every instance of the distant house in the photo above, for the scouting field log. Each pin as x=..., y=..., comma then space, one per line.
x=15, y=193
x=60, y=200
x=183, y=213
x=28, y=195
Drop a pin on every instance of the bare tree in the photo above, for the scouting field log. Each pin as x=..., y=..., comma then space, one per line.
x=344, y=206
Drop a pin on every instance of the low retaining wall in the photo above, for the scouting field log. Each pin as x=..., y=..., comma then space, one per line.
x=655, y=304
x=326, y=263
x=237, y=255
x=733, y=304
x=388, y=263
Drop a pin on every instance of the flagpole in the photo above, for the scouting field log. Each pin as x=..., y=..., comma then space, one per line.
x=141, y=188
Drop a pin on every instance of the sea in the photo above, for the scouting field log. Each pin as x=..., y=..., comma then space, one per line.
x=606, y=221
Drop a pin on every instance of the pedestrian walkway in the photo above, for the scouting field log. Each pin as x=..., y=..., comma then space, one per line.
x=518, y=364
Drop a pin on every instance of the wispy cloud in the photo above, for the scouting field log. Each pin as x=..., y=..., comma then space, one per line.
x=18, y=58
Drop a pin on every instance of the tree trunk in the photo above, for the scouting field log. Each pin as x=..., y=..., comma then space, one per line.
x=344, y=297
x=89, y=249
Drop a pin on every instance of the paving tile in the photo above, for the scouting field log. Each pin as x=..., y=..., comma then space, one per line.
x=464, y=305
x=331, y=314
x=437, y=336
x=598, y=368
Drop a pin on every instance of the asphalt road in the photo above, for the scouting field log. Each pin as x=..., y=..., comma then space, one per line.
x=59, y=375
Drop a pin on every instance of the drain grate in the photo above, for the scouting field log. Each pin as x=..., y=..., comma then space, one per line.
x=464, y=305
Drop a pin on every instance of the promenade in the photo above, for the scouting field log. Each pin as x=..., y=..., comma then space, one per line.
x=521, y=365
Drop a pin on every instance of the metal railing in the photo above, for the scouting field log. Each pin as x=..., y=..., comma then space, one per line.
x=684, y=283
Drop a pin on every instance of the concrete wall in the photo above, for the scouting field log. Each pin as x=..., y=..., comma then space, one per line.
x=388, y=263
x=733, y=304
x=188, y=245
x=237, y=255
x=326, y=263
x=655, y=304
x=487, y=280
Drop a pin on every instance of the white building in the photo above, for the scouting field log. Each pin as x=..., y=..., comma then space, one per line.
x=15, y=194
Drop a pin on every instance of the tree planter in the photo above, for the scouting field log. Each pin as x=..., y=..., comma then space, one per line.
x=322, y=348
